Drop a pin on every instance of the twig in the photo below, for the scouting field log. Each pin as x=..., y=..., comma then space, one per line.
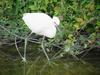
x=18, y=49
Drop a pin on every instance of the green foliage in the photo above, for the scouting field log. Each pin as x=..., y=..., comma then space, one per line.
x=79, y=26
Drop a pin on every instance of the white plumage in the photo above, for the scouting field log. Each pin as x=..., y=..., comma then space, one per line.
x=41, y=23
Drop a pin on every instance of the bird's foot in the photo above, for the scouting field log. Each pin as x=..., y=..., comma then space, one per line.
x=24, y=59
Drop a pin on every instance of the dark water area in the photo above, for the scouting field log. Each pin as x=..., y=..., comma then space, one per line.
x=37, y=64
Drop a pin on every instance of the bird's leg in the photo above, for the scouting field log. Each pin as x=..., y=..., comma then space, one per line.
x=29, y=35
x=42, y=45
x=25, y=45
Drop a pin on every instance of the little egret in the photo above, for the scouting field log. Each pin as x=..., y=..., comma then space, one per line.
x=41, y=24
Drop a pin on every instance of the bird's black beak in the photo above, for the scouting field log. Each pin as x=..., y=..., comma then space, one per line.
x=58, y=29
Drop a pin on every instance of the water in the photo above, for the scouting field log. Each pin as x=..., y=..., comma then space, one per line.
x=13, y=65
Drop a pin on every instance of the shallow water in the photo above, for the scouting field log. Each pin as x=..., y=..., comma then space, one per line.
x=13, y=65
x=42, y=67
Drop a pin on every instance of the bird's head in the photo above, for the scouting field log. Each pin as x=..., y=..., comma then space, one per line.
x=56, y=20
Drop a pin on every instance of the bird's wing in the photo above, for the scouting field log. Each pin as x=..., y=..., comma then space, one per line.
x=37, y=21
x=49, y=32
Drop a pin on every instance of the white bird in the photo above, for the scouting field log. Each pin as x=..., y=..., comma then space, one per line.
x=41, y=23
